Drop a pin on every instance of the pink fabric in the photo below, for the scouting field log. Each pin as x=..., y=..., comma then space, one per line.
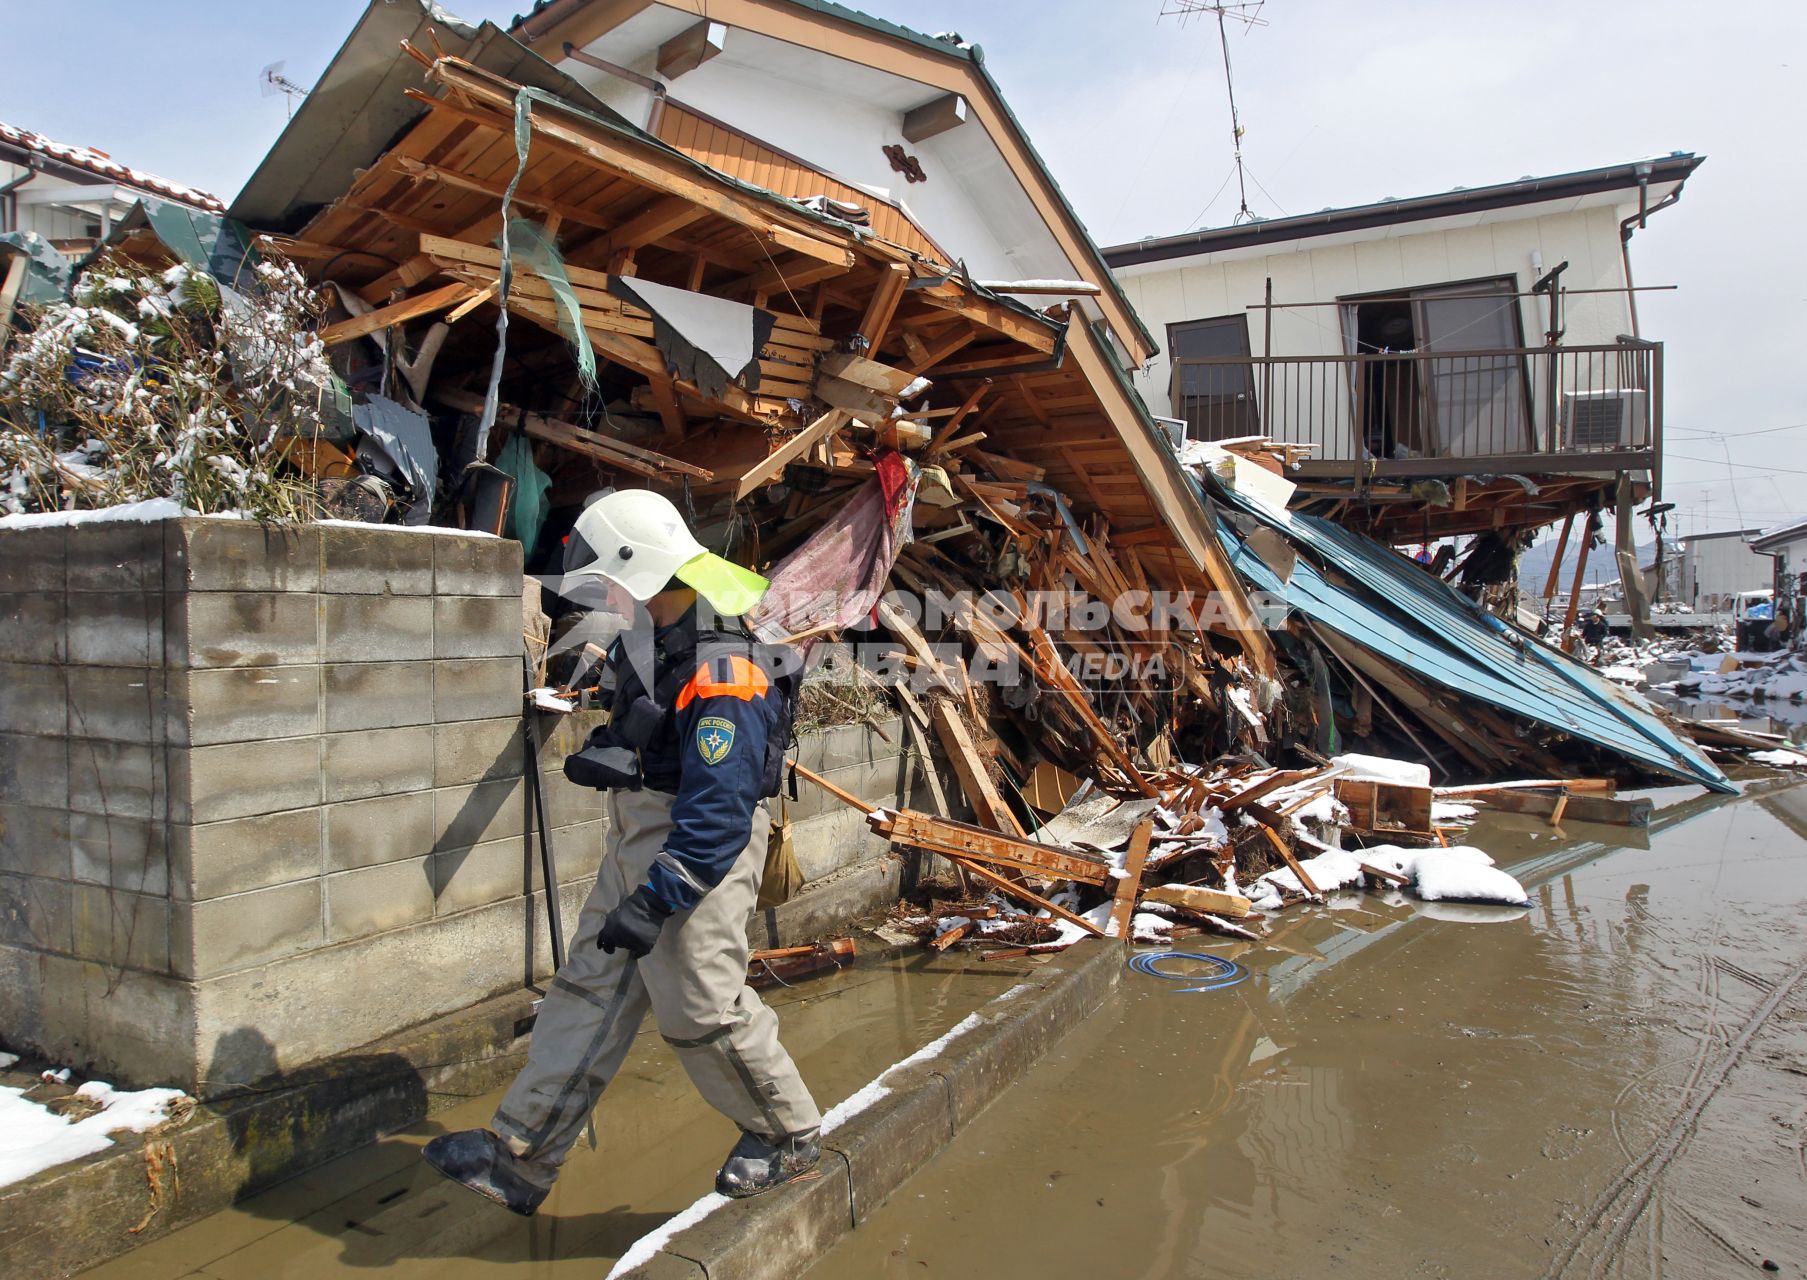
x=836, y=577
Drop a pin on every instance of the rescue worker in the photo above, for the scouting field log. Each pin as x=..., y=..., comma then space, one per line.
x=693, y=747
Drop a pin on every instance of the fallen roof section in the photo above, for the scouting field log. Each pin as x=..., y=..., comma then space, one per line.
x=1381, y=603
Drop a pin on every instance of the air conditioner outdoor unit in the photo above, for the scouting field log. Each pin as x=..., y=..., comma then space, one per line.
x=1605, y=419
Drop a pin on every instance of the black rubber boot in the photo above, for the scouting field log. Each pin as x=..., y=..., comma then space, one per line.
x=478, y=1159
x=758, y=1163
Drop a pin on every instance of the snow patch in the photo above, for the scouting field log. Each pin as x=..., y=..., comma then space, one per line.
x=1781, y=758
x=1383, y=769
x=1439, y=877
x=33, y=1138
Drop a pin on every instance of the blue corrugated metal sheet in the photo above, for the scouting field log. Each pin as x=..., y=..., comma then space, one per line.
x=1396, y=610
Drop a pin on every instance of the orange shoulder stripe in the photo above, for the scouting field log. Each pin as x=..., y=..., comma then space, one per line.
x=745, y=681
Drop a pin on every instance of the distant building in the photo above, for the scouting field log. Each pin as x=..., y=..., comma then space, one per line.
x=1711, y=568
x=1785, y=546
x=71, y=195
x=1460, y=362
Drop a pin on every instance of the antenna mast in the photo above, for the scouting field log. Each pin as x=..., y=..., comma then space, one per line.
x=1249, y=14
x=274, y=82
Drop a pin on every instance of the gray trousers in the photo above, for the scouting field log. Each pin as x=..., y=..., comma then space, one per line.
x=695, y=983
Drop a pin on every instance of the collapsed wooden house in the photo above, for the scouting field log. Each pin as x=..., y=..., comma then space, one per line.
x=613, y=287
x=871, y=342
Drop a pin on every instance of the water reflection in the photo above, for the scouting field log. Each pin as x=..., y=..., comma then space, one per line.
x=1395, y=1091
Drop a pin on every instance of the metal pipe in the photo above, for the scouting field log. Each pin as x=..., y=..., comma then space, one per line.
x=11, y=202
x=655, y=87
x=1625, y=229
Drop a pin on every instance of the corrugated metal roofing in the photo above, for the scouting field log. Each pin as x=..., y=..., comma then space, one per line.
x=1396, y=610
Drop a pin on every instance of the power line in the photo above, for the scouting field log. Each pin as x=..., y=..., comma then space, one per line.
x=1742, y=466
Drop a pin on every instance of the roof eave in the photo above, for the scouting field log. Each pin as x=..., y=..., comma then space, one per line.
x=1670, y=169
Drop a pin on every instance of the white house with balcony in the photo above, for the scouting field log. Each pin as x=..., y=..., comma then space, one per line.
x=1483, y=338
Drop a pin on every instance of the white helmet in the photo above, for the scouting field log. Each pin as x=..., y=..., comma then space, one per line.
x=639, y=541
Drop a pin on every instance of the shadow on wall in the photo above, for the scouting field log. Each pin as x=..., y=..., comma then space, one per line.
x=281, y=1123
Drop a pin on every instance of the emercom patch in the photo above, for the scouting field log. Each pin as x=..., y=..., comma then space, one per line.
x=714, y=739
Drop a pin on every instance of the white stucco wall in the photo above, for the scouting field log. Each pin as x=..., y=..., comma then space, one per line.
x=1441, y=251
x=1715, y=568
x=839, y=117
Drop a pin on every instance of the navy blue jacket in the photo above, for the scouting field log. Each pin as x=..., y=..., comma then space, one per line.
x=709, y=755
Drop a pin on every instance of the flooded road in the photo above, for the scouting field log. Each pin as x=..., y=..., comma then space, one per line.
x=1611, y=1083
x=382, y=1208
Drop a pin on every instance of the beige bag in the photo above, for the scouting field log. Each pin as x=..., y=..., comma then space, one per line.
x=783, y=877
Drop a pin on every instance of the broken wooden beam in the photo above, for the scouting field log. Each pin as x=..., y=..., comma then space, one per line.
x=1189, y=897
x=950, y=838
x=1130, y=882
x=1561, y=803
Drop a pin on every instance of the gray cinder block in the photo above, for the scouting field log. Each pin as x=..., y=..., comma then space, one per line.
x=376, y=695
x=375, y=762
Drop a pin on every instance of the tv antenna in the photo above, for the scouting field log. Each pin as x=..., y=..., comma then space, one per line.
x=1248, y=14
x=274, y=82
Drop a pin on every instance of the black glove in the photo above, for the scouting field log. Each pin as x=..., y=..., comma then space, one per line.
x=634, y=925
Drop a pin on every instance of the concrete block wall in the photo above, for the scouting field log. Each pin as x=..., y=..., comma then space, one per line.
x=263, y=798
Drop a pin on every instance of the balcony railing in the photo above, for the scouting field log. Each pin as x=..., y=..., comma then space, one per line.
x=1418, y=413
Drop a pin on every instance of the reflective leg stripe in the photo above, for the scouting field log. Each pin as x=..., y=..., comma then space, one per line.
x=752, y=1087
x=698, y=1043
x=719, y=1037
x=581, y=1071
x=582, y=993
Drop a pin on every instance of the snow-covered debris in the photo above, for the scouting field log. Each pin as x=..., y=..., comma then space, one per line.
x=1439, y=877
x=1780, y=758
x=1383, y=769
x=34, y=1138
x=547, y=700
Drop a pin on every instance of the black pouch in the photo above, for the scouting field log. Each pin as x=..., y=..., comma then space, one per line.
x=604, y=763
x=636, y=723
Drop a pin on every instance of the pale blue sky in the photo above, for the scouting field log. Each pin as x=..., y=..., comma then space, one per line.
x=1342, y=103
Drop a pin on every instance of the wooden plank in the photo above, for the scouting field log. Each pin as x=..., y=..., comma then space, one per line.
x=398, y=313
x=619, y=453
x=1291, y=861
x=882, y=306
x=869, y=374
x=17, y=265
x=1015, y=890
x=969, y=766
x=656, y=221
x=641, y=163
x=854, y=400
x=1039, y=335
x=1561, y=803
x=943, y=835
x=1130, y=883
x=1189, y=897
x=845, y=797
x=691, y=48
x=1248, y=795
x=790, y=451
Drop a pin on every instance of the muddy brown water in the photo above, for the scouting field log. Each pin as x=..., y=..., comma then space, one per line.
x=382, y=1208
x=1397, y=1089
x=1426, y=1092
